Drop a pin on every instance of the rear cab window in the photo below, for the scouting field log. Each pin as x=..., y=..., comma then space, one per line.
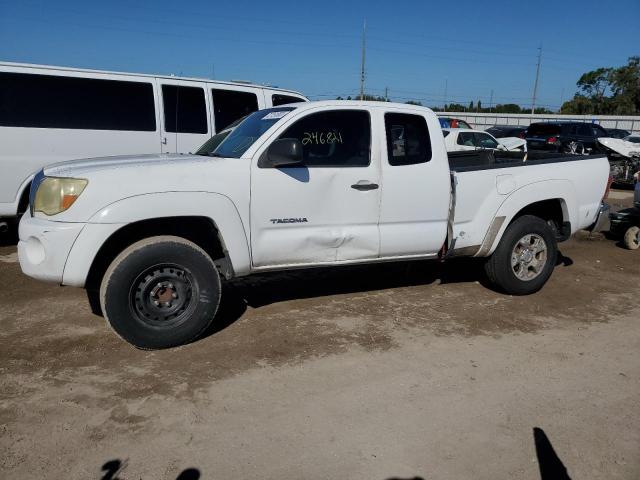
x=543, y=129
x=408, y=141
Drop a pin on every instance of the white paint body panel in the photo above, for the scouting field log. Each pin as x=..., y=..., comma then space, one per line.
x=26, y=150
x=509, y=143
x=405, y=218
x=621, y=146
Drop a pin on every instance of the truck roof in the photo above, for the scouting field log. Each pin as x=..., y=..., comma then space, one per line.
x=149, y=75
x=357, y=103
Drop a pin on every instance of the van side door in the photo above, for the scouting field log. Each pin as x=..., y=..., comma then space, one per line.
x=185, y=115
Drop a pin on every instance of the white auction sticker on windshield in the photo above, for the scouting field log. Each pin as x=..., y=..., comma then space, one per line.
x=274, y=115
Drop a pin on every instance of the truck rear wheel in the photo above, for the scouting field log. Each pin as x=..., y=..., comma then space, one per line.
x=632, y=238
x=525, y=257
x=160, y=292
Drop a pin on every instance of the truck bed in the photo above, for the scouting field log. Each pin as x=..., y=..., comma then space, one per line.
x=489, y=159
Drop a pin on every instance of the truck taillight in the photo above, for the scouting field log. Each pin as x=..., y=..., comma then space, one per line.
x=552, y=140
x=606, y=192
x=521, y=135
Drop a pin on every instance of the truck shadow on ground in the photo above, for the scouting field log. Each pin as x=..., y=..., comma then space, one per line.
x=265, y=289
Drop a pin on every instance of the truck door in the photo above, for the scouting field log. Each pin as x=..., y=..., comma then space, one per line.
x=185, y=119
x=325, y=210
x=416, y=189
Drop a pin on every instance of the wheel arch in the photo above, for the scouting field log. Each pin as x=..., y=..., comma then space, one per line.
x=200, y=230
x=553, y=201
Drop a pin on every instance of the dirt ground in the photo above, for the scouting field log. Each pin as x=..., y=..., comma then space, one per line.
x=391, y=371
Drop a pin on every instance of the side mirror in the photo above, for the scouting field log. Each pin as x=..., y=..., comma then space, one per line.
x=501, y=147
x=284, y=152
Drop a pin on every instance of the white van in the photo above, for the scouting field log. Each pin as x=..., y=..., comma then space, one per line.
x=51, y=114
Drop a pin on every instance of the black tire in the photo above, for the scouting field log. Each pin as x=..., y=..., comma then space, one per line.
x=160, y=292
x=499, y=266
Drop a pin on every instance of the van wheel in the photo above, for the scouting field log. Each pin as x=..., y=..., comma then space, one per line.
x=632, y=238
x=525, y=257
x=160, y=292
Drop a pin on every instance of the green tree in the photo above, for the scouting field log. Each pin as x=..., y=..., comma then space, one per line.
x=607, y=91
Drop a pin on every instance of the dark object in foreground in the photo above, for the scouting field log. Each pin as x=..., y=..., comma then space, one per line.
x=551, y=467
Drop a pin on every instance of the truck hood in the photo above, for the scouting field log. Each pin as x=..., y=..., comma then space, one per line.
x=112, y=179
x=513, y=143
x=87, y=166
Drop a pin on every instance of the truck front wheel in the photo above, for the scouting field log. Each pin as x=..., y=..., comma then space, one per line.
x=160, y=292
x=525, y=257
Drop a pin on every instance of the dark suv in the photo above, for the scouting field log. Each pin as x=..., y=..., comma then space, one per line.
x=502, y=131
x=565, y=136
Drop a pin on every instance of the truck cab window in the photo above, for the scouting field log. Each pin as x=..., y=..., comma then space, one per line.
x=230, y=105
x=407, y=139
x=184, y=109
x=340, y=138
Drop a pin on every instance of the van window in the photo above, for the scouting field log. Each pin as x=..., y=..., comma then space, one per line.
x=277, y=99
x=408, y=140
x=51, y=101
x=184, y=109
x=230, y=105
x=339, y=138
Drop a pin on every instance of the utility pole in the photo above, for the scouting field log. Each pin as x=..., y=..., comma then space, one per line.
x=491, y=100
x=561, y=99
x=535, y=85
x=446, y=81
x=386, y=94
x=364, y=46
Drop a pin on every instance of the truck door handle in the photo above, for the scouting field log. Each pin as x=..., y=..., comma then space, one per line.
x=364, y=185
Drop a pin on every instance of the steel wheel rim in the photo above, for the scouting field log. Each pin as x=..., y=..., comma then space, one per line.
x=529, y=257
x=163, y=296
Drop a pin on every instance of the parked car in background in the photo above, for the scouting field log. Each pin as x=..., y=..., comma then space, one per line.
x=463, y=139
x=617, y=132
x=49, y=114
x=501, y=131
x=570, y=137
x=446, y=122
x=624, y=157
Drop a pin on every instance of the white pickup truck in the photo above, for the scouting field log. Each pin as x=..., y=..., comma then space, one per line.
x=304, y=185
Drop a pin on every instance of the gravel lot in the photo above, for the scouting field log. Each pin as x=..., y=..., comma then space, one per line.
x=390, y=371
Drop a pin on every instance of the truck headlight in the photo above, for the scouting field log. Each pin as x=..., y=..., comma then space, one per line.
x=55, y=195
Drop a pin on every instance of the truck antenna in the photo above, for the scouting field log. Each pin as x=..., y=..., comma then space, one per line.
x=364, y=46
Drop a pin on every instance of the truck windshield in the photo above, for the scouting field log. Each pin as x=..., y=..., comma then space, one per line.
x=247, y=132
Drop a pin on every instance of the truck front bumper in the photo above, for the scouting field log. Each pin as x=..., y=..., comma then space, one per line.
x=44, y=246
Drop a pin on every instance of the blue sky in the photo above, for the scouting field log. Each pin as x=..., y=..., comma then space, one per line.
x=413, y=48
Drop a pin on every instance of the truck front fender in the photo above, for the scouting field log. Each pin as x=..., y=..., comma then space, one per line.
x=105, y=222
